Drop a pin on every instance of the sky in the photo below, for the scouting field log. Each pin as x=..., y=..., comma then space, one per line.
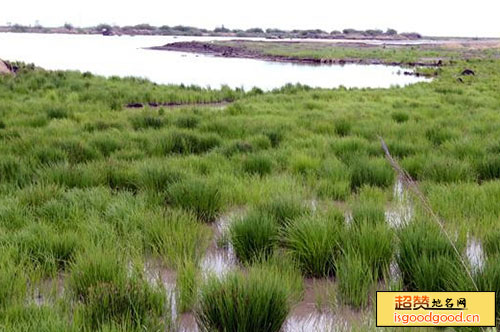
x=477, y=18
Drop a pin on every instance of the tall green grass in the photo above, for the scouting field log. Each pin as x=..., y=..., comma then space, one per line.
x=315, y=242
x=255, y=301
x=199, y=197
x=254, y=236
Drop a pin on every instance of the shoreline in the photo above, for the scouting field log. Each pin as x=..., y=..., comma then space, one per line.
x=232, y=51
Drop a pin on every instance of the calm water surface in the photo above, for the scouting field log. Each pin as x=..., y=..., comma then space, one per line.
x=126, y=56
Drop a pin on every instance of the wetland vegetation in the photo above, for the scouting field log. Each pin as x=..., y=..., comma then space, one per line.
x=107, y=213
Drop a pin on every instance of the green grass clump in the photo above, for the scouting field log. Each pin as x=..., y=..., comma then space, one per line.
x=254, y=236
x=368, y=212
x=185, y=142
x=375, y=245
x=109, y=294
x=176, y=236
x=199, y=197
x=428, y=261
x=372, y=172
x=489, y=168
x=13, y=282
x=187, y=279
x=12, y=170
x=354, y=280
x=315, y=242
x=257, y=165
x=147, y=121
x=254, y=301
x=342, y=127
x=157, y=177
x=94, y=268
x=285, y=208
x=133, y=305
x=45, y=249
x=489, y=279
x=400, y=116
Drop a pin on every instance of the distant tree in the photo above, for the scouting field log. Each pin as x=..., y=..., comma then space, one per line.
x=222, y=29
x=335, y=32
x=412, y=35
x=68, y=26
x=373, y=32
x=255, y=30
x=19, y=28
x=275, y=31
x=391, y=32
x=350, y=31
x=104, y=27
x=144, y=26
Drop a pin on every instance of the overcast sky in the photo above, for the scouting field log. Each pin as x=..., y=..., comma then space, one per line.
x=429, y=17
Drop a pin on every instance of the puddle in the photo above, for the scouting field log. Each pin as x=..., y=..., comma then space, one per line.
x=348, y=217
x=155, y=273
x=475, y=253
x=318, y=321
x=220, y=259
x=401, y=211
x=46, y=292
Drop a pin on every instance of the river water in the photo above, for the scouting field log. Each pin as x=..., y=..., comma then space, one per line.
x=127, y=56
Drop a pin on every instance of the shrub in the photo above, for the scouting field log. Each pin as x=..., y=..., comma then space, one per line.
x=255, y=301
x=257, y=164
x=253, y=236
x=199, y=197
x=315, y=243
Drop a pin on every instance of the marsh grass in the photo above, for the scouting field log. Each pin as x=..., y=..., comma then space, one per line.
x=315, y=243
x=255, y=301
x=372, y=172
x=108, y=292
x=176, y=237
x=45, y=249
x=197, y=196
x=187, y=282
x=354, y=280
x=375, y=244
x=257, y=165
x=254, y=236
x=285, y=208
x=428, y=261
